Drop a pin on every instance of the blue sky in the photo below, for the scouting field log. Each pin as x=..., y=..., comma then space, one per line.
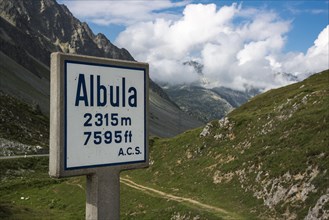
x=308, y=19
x=239, y=42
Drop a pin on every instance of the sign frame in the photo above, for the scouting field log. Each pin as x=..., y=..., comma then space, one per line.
x=57, y=146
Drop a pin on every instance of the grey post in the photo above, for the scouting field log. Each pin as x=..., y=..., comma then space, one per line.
x=103, y=195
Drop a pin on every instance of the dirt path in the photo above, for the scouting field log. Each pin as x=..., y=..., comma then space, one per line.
x=149, y=190
x=23, y=156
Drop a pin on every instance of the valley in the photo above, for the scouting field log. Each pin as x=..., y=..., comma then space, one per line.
x=266, y=159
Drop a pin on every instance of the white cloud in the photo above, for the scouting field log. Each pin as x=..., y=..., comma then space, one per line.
x=124, y=12
x=232, y=54
x=170, y=69
x=314, y=60
x=258, y=50
x=237, y=46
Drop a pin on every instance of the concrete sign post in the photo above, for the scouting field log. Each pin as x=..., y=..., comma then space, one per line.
x=98, y=125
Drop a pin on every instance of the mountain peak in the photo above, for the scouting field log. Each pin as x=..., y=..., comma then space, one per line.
x=57, y=29
x=198, y=67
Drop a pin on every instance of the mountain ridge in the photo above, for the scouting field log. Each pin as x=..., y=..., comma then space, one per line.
x=32, y=17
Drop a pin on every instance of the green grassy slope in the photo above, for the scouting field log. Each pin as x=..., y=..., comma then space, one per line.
x=268, y=158
x=27, y=192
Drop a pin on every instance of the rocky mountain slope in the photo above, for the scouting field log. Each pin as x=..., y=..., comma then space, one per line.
x=268, y=159
x=31, y=30
x=205, y=103
x=23, y=128
x=199, y=102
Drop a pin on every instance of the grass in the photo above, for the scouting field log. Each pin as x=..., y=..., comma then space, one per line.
x=172, y=172
x=26, y=192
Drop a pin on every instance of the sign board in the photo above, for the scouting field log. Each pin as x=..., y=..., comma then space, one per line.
x=98, y=116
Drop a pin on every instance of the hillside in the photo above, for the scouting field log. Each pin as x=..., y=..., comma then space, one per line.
x=269, y=158
x=23, y=128
x=31, y=30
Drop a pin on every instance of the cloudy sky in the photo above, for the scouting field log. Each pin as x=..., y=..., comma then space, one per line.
x=239, y=43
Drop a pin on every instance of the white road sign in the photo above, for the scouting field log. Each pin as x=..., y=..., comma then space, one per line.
x=104, y=114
